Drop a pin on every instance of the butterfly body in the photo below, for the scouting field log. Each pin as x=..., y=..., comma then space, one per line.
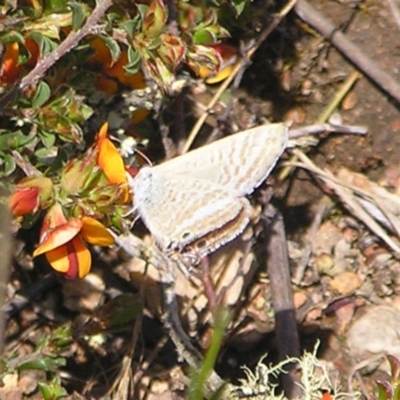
x=195, y=203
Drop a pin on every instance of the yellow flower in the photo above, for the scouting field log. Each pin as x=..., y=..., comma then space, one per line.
x=63, y=242
x=110, y=161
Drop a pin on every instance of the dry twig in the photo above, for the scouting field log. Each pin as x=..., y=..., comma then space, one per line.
x=67, y=45
x=282, y=296
x=395, y=11
x=346, y=194
x=356, y=56
x=5, y=235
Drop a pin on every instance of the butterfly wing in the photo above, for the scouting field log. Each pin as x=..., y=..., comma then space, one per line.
x=178, y=210
x=239, y=162
x=212, y=241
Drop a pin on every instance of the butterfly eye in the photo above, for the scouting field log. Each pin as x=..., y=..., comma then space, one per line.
x=185, y=235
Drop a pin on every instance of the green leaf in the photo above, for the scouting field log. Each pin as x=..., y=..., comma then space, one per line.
x=45, y=154
x=13, y=140
x=155, y=19
x=199, y=377
x=111, y=19
x=133, y=25
x=64, y=115
x=204, y=36
x=171, y=51
x=238, y=5
x=396, y=393
x=42, y=94
x=53, y=390
x=121, y=310
x=12, y=36
x=55, y=6
x=46, y=390
x=48, y=139
x=85, y=112
x=154, y=43
x=385, y=391
x=8, y=166
x=3, y=365
x=199, y=56
x=142, y=10
x=78, y=15
x=45, y=44
x=134, y=61
x=43, y=363
x=113, y=46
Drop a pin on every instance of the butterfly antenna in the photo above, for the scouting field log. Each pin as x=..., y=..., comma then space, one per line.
x=145, y=158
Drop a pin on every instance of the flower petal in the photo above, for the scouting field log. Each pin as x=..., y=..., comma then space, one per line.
x=25, y=200
x=58, y=236
x=10, y=68
x=73, y=259
x=101, y=53
x=55, y=217
x=106, y=85
x=118, y=71
x=95, y=232
x=102, y=132
x=110, y=161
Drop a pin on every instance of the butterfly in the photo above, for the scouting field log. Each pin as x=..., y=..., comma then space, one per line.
x=195, y=203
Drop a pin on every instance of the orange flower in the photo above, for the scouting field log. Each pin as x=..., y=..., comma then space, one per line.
x=115, y=75
x=110, y=161
x=117, y=70
x=11, y=69
x=114, y=70
x=63, y=242
x=25, y=200
x=30, y=195
x=228, y=55
x=34, y=52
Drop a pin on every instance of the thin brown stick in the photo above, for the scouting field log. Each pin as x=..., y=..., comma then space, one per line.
x=209, y=287
x=350, y=201
x=353, y=53
x=394, y=9
x=137, y=377
x=5, y=235
x=67, y=45
x=339, y=96
x=320, y=128
x=286, y=333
